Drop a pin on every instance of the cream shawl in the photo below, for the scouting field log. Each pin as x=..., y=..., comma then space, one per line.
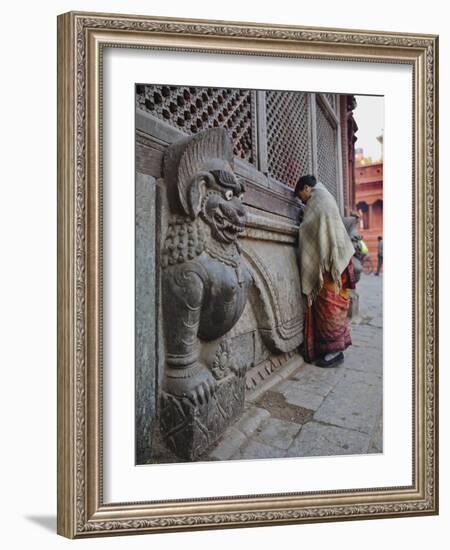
x=324, y=244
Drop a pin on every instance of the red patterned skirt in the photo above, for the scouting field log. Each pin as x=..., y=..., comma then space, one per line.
x=326, y=328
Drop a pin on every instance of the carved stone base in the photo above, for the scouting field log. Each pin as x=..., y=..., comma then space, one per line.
x=189, y=429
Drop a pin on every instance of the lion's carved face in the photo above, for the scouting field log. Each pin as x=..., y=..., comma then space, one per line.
x=222, y=207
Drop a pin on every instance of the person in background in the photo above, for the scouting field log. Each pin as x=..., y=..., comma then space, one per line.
x=380, y=255
x=326, y=274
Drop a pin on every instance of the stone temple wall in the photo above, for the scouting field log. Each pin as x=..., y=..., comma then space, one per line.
x=269, y=329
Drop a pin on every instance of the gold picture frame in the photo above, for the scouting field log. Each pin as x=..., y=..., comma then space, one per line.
x=81, y=39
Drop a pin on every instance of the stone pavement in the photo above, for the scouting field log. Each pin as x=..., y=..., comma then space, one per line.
x=304, y=410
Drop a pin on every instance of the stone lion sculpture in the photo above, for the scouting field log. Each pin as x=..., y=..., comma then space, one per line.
x=204, y=290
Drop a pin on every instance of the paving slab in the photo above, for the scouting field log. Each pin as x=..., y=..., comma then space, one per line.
x=321, y=440
x=365, y=359
x=251, y=419
x=256, y=449
x=318, y=380
x=276, y=433
x=355, y=402
x=367, y=336
x=279, y=408
x=229, y=443
x=376, y=322
x=295, y=393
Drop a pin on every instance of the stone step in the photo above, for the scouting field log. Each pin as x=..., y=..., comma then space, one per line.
x=237, y=434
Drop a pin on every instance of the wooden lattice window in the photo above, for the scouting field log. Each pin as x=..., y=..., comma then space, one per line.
x=192, y=109
x=288, y=136
x=327, y=150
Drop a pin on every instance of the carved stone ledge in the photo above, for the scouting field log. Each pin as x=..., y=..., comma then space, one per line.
x=258, y=374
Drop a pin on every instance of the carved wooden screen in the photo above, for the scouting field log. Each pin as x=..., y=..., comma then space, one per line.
x=327, y=148
x=288, y=136
x=331, y=98
x=192, y=110
x=283, y=134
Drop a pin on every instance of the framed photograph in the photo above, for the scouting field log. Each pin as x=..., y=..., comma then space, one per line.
x=247, y=283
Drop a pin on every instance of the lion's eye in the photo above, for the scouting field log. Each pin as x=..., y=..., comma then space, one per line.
x=241, y=196
x=229, y=194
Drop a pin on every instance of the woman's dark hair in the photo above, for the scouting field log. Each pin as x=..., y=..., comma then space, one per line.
x=305, y=180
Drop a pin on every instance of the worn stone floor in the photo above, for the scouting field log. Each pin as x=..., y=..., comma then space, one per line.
x=304, y=410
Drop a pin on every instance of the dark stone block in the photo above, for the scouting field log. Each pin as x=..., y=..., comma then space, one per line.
x=191, y=427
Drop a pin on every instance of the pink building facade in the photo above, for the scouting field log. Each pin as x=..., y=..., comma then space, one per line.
x=369, y=203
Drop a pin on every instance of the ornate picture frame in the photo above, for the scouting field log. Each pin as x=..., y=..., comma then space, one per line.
x=82, y=39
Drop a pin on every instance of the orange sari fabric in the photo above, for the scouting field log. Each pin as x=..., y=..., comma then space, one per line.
x=326, y=328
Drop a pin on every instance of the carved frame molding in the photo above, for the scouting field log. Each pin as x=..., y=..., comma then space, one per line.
x=81, y=37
